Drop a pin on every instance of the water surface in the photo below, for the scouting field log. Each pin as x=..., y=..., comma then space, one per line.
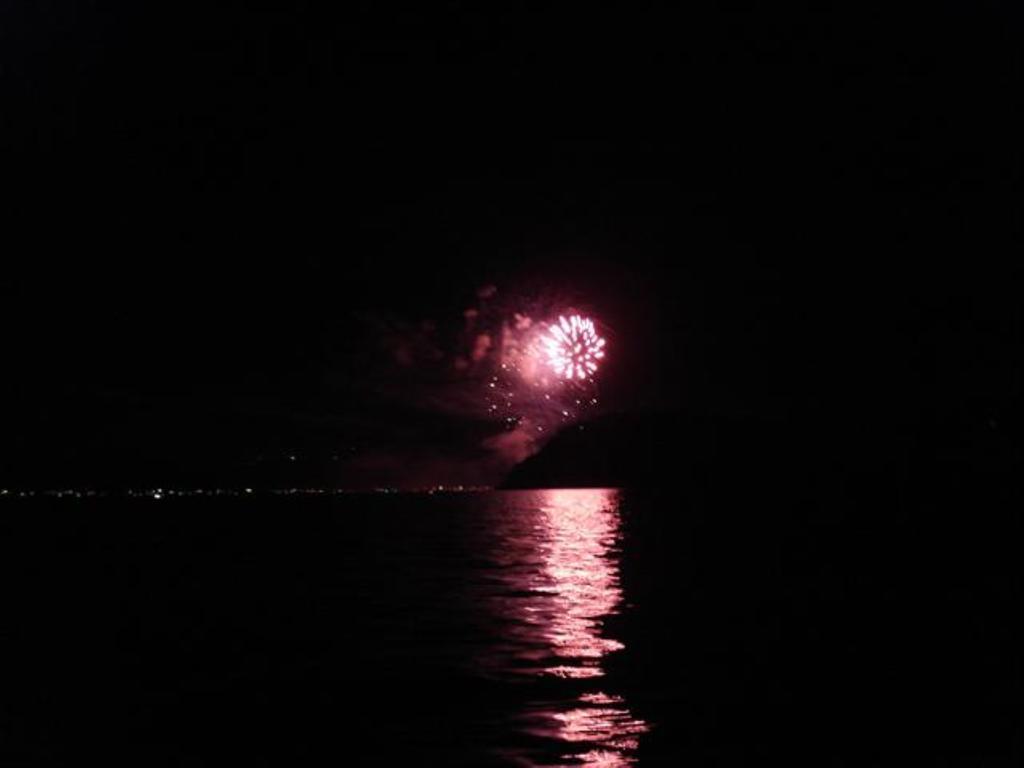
x=463, y=629
x=748, y=626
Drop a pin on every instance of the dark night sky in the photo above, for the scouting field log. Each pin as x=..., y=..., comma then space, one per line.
x=783, y=213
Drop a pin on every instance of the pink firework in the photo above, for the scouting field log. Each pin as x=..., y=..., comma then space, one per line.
x=573, y=347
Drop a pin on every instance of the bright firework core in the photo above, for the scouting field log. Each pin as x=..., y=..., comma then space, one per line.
x=573, y=347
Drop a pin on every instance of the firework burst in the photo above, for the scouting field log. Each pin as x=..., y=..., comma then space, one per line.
x=573, y=348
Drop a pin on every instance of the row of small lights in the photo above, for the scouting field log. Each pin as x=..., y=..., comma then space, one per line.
x=160, y=493
x=154, y=493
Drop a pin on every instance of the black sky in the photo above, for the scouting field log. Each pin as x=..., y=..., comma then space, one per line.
x=785, y=212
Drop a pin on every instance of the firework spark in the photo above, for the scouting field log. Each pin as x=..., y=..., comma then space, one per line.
x=573, y=347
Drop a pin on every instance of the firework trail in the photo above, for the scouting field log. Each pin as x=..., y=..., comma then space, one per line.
x=545, y=373
x=514, y=370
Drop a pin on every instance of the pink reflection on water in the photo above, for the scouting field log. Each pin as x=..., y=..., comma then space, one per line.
x=559, y=564
x=582, y=533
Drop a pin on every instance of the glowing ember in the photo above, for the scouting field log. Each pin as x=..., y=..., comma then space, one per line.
x=573, y=347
